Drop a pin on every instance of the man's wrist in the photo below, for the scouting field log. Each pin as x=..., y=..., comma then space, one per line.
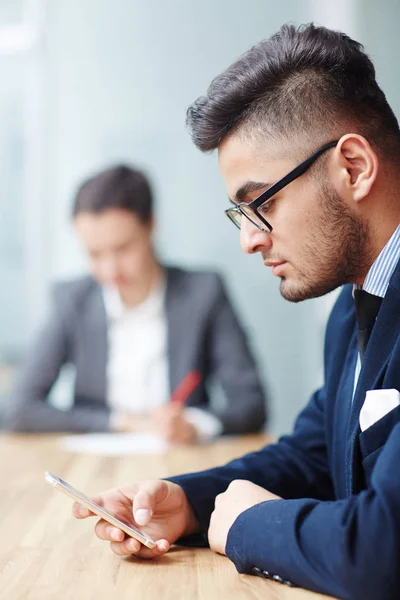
x=193, y=526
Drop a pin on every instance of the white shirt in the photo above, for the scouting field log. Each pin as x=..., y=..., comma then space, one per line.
x=137, y=367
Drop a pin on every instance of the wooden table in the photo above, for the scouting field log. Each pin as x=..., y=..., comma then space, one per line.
x=47, y=555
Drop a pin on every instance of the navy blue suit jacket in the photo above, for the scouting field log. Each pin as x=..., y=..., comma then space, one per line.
x=338, y=529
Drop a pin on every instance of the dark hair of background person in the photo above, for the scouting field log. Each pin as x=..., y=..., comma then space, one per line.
x=306, y=85
x=117, y=187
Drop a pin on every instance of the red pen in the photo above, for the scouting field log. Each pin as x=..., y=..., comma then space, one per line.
x=186, y=387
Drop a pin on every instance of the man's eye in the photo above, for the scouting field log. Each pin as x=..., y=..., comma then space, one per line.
x=264, y=208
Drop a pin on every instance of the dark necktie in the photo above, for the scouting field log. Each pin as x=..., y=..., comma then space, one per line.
x=367, y=308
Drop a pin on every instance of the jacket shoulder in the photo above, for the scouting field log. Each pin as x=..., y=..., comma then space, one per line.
x=194, y=277
x=201, y=286
x=72, y=293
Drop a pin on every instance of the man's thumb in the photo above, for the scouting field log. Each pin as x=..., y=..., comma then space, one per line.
x=143, y=515
x=144, y=504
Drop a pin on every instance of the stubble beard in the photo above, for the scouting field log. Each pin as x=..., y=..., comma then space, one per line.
x=336, y=251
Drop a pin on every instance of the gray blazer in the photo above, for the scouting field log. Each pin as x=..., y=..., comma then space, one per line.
x=203, y=334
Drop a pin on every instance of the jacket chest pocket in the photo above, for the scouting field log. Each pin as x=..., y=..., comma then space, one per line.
x=373, y=440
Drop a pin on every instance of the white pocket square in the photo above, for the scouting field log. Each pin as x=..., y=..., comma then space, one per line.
x=376, y=405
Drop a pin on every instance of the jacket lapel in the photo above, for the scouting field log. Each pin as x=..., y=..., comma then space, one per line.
x=93, y=337
x=173, y=308
x=380, y=346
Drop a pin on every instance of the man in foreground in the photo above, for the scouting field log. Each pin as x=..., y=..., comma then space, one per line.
x=309, y=150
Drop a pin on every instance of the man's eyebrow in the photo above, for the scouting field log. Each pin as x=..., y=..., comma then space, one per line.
x=247, y=188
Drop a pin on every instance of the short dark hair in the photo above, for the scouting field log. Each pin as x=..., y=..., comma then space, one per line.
x=117, y=187
x=310, y=81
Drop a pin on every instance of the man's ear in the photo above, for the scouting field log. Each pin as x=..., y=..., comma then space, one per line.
x=356, y=167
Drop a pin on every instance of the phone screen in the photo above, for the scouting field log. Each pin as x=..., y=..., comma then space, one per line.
x=78, y=496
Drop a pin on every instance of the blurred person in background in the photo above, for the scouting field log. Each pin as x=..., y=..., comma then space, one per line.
x=133, y=330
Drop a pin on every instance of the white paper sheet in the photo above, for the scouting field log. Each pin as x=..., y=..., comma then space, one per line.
x=114, y=444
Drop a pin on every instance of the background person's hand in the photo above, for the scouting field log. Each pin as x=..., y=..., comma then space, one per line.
x=122, y=422
x=169, y=423
x=158, y=507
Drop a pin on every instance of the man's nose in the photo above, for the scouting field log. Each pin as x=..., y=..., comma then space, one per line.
x=252, y=239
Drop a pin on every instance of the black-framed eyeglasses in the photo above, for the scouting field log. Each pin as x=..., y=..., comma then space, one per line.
x=252, y=210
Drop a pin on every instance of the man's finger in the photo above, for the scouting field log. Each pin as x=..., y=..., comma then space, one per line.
x=81, y=512
x=162, y=546
x=218, y=499
x=108, y=532
x=127, y=547
x=131, y=546
x=146, y=500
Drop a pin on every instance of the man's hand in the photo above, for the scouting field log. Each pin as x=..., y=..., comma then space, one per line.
x=239, y=496
x=160, y=507
x=169, y=423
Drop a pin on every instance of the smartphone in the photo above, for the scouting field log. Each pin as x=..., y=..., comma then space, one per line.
x=67, y=489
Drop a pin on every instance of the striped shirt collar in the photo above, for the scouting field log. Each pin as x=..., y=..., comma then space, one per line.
x=378, y=277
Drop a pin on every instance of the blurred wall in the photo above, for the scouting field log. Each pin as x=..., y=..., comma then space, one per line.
x=113, y=81
x=379, y=31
